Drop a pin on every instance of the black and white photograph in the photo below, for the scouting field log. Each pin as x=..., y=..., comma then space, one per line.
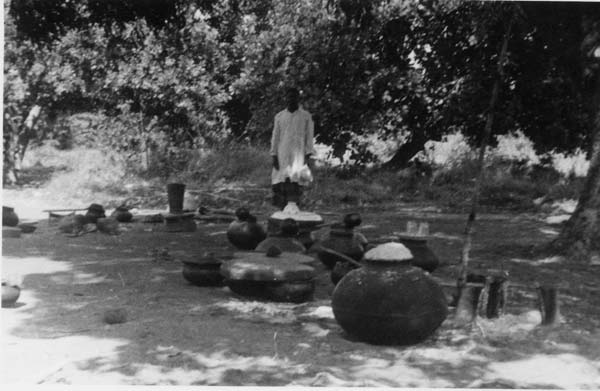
x=301, y=193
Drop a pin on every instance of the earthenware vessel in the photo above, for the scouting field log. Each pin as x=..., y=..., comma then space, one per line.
x=307, y=223
x=284, y=240
x=10, y=294
x=245, y=233
x=94, y=212
x=27, y=228
x=205, y=270
x=283, y=277
x=122, y=214
x=389, y=301
x=9, y=217
x=344, y=240
x=423, y=257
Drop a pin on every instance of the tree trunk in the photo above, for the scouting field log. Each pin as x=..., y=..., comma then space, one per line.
x=580, y=236
x=15, y=143
x=406, y=152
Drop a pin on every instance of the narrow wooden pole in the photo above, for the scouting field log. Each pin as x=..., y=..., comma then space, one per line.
x=548, y=303
x=497, y=292
x=468, y=233
x=468, y=303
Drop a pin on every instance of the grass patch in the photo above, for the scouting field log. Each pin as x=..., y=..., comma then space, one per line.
x=101, y=176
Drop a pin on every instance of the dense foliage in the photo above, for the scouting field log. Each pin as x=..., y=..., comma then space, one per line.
x=167, y=77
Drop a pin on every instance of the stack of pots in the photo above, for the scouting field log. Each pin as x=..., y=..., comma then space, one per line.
x=286, y=240
x=307, y=223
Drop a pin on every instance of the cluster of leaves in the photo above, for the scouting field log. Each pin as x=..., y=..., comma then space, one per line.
x=170, y=76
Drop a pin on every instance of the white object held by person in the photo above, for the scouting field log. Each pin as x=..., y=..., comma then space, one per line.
x=299, y=172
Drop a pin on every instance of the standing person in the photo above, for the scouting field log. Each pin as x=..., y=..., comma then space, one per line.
x=291, y=146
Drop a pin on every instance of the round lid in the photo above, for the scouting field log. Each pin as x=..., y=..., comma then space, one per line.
x=262, y=268
x=291, y=211
x=389, y=252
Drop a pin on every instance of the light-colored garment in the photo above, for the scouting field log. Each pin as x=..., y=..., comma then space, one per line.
x=292, y=139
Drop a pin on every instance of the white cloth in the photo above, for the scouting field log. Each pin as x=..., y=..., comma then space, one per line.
x=292, y=139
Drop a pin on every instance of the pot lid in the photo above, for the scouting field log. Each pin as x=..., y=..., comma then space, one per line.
x=389, y=252
x=259, y=267
x=291, y=211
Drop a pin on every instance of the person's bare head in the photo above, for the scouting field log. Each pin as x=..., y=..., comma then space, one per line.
x=292, y=99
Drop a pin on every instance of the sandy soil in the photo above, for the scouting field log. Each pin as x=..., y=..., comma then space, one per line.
x=180, y=334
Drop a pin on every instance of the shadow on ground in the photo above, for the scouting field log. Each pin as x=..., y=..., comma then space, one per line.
x=179, y=334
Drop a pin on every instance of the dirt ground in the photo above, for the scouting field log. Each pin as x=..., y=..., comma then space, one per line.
x=180, y=334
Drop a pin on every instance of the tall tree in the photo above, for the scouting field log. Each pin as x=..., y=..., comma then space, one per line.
x=580, y=236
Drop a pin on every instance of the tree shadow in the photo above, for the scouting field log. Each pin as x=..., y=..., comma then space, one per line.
x=172, y=337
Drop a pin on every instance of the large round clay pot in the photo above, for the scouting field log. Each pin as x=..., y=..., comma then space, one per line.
x=423, y=257
x=389, y=302
x=9, y=217
x=122, y=215
x=286, y=277
x=10, y=294
x=245, y=233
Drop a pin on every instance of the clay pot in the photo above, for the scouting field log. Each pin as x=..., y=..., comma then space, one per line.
x=204, y=271
x=344, y=240
x=94, y=212
x=285, y=241
x=423, y=257
x=9, y=217
x=10, y=294
x=72, y=224
x=307, y=222
x=389, y=302
x=108, y=225
x=27, y=228
x=122, y=214
x=286, y=277
x=245, y=233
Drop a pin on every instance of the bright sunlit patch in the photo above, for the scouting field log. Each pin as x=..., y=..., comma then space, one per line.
x=562, y=370
x=22, y=266
x=549, y=232
x=315, y=330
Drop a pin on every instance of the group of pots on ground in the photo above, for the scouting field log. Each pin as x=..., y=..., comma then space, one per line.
x=383, y=292
x=12, y=228
x=72, y=224
x=94, y=219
